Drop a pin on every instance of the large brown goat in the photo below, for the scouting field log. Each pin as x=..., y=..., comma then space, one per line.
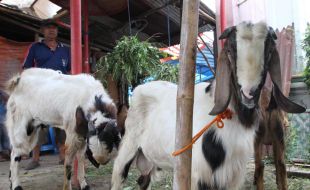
x=271, y=131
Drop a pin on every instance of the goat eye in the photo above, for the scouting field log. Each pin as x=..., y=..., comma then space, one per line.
x=93, y=122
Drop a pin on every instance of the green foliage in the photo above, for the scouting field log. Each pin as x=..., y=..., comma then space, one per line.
x=290, y=143
x=298, y=137
x=306, y=47
x=166, y=72
x=132, y=61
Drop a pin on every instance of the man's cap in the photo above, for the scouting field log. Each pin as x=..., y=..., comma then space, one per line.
x=48, y=22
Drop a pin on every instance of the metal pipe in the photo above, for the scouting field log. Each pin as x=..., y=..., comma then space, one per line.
x=240, y=3
x=206, y=59
x=76, y=52
x=85, y=35
x=62, y=24
x=76, y=37
x=223, y=17
x=215, y=46
x=206, y=45
x=206, y=16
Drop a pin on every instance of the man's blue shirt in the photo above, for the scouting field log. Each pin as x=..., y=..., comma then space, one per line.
x=40, y=55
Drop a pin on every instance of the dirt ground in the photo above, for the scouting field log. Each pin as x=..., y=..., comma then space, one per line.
x=50, y=177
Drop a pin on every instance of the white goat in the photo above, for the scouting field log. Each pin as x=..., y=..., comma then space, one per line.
x=220, y=156
x=76, y=103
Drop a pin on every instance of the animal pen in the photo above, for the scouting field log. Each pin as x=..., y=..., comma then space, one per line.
x=81, y=16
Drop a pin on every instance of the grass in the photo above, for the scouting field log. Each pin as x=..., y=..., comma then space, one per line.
x=165, y=182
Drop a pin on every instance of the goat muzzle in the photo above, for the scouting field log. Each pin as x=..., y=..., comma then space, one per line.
x=247, y=100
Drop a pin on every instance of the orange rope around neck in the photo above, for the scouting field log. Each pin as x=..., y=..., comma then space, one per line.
x=219, y=123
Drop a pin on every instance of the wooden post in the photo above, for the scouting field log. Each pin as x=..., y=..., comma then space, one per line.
x=185, y=96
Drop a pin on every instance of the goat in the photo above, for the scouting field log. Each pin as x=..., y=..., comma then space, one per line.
x=219, y=158
x=77, y=104
x=270, y=131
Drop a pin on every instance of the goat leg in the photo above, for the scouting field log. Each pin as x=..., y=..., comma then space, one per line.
x=126, y=155
x=145, y=167
x=81, y=169
x=259, y=165
x=278, y=151
x=71, y=151
x=14, y=168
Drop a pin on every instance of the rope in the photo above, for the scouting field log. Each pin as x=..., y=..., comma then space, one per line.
x=168, y=25
x=129, y=19
x=227, y=114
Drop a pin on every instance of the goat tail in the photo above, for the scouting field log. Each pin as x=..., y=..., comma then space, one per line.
x=121, y=117
x=12, y=83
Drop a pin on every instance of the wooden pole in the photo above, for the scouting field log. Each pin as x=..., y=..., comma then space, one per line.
x=185, y=96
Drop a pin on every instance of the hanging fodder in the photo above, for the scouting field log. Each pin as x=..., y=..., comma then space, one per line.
x=132, y=61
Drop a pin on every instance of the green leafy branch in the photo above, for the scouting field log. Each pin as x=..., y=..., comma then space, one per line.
x=132, y=61
x=306, y=47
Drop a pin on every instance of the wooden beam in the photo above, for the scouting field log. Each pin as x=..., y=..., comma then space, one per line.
x=15, y=12
x=154, y=10
x=61, y=14
x=19, y=23
x=206, y=17
x=173, y=13
x=32, y=4
x=185, y=95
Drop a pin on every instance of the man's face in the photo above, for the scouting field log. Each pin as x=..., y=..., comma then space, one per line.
x=50, y=31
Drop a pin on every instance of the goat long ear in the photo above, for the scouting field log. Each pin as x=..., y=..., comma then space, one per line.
x=275, y=73
x=275, y=69
x=272, y=33
x=227, y=32
x=81, y=122
x=222, y=88
x=284, y=103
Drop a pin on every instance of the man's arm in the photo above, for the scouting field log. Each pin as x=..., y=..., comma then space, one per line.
x=29, y=60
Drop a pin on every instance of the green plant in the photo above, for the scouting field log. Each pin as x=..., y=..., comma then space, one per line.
x=290, y=143
x=306, y=47
x=133, y=61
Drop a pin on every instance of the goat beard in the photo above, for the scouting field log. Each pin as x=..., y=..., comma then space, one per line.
x=247, y=116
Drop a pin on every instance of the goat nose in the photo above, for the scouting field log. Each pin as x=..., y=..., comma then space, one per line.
x=252, y=91
x=247, y=94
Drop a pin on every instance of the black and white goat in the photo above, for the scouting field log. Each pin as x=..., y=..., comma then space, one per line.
x=77, y=103
x=220, y=156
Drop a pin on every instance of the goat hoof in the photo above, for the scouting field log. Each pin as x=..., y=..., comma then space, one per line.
x=18, y=188
x=86, y=187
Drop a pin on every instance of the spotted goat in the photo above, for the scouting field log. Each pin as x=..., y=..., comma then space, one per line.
x=219, y=158
x=77, y=104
